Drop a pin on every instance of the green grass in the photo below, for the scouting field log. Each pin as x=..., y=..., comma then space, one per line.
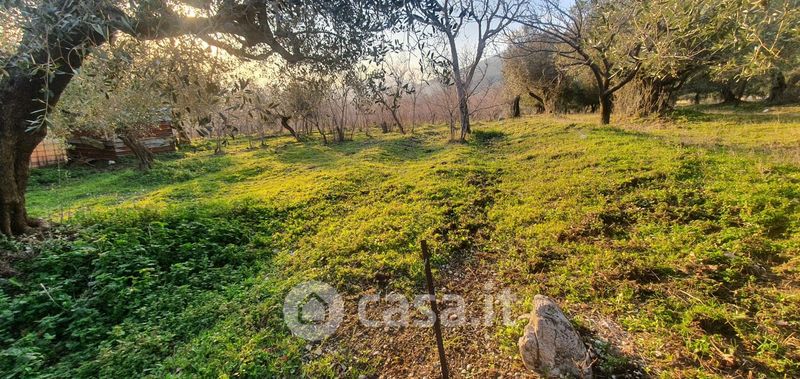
x=744, y=129
x=685, y=234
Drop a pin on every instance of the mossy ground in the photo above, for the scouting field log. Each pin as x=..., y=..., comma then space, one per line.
x=675, y=245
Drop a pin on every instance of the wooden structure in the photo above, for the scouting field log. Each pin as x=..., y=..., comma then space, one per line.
x=49, y=152
x=89, y=148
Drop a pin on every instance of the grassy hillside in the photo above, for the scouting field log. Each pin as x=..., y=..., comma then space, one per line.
x=674, y=246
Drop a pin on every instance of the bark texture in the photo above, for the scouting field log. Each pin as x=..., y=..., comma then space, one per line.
x=658, y=96
x=463, y=110
x=16, y=147
x=25, y=96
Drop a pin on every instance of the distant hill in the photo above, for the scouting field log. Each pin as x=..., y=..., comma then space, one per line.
x=494, y=67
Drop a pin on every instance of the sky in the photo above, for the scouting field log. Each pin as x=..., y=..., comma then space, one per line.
x=467, y=39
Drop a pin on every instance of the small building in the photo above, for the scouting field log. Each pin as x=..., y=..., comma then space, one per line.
x=51, y=151
x=90, y=148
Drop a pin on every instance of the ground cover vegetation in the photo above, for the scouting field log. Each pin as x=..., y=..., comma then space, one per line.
x=635, y=160
x=689, y=247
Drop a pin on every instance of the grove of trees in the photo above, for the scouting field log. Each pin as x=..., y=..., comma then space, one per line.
x=640, y=56
x=220, y=69
x=54, y=38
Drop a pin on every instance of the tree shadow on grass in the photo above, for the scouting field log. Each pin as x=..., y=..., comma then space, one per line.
x=402, y=149
x=57, y=188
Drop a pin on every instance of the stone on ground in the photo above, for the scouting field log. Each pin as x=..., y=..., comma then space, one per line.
x=551, y=346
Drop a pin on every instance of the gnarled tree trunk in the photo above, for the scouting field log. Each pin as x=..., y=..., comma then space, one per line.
x=25, y=96
x=728, y=97
x=18, y=139
x=733, y=91
x=16, y=147
x=285, y=125
x=658, y=96
x=142, y=153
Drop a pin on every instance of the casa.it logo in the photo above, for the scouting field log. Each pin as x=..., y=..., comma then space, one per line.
x=313, y=310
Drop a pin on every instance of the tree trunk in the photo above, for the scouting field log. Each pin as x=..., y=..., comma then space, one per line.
x=462, y=86
x=413, y=114
x=26, y=94
x=183, y=137
x=17, y=145
x=340, y=136
x=778, y=88
x=285, y=125
x=515, y=111
x=728, y=97
x=463, y=109
x=142, y=153
x=540, y=108
x=740, y=89
x=657, y=96
x=324, y=137
x=606, y=104
x=397, y=121
x=733, y=91
x=452, y=126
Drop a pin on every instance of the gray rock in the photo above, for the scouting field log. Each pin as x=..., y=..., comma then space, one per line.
x=551, y=346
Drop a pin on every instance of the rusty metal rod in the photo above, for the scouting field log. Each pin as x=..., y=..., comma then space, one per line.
x=437, y=324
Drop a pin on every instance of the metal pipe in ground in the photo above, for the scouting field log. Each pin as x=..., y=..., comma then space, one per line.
x=437, y=324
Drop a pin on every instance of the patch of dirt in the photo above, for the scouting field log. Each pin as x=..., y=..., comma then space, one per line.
x=410, y=352
x=614, y=349
x=473, y=349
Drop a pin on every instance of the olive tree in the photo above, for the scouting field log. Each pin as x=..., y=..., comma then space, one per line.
x=736, y=42
x=679, y=40
x=298, y=100
x=387, y=86
x=56, y=36
x=532, y=69
x=594, y=34
x=549, y=84
x=439, y=26
x=99, y=106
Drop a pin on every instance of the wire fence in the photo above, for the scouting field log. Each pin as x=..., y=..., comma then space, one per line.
x=49, y=152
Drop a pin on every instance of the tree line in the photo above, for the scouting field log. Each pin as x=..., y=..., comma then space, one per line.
x=324, y=66
x=639, y=57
